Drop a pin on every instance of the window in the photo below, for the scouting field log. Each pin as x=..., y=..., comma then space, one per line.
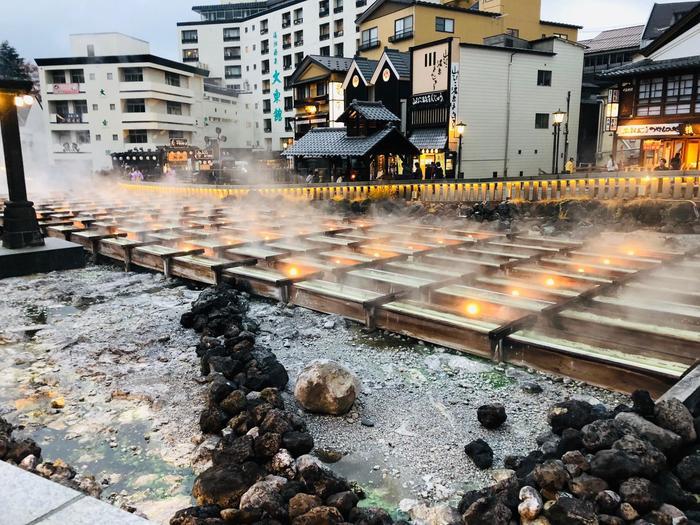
x=369, y=38
x=326, y=51
x=112, y=107
x=298, y=16
x=77, y=76
x=287, y=62
x=136, y=105
x=304, y=92
x=92, y=76
x=321, y=89
x=58, y=77
x=115, y=137
x=176, y=134
x=267, y=106
x=324, y=31
x=94, y=107
x=83, y=137
x=109, y=76
x=189, y=36
x=338, y=51
x=264, y=47
x=266, y=86
x=190, y=55
x=298, y=57
x=513, y=32
x=289, y=124
x=650, y=96
x=338, y=6
x=542, y=121
x=288, y=103
x=133, y=74
x=338, y=27
x=544, y=78
x=137, y=136
x=172, y=79
x=267, y=125
x=232, y=33
x=298, y=38
x=287, y=41
x=403, y=28
x=232, y=53
x=98, y=137
x=91, y=50
x=265, y=67
x=286, y=19
x=232, y=71
x=444, y=25
x=80, y=106
x=679, y=91
x=174, y=108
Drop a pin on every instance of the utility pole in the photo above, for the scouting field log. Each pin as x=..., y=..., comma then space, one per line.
x=566, y=129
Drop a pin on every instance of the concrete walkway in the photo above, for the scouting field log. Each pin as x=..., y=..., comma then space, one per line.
x=28, y=499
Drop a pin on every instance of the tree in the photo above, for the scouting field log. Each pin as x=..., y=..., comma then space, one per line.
x=11, y=64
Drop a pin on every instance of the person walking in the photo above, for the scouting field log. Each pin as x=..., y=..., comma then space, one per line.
x=439, y=173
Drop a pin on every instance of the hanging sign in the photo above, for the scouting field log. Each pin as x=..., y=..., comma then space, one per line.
x=429, y=100
x=649, y=130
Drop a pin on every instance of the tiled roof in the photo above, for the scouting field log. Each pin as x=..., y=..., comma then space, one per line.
x=334, y=142
x=401, y=62
x=653, y=66
x=429, y=138
x=376, y=111
x=622, y=38
x=333, y=63
x=366, y=67
x=664, y=16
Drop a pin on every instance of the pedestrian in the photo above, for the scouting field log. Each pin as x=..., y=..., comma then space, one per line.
x=417, y=173
x=433, y=171
x=310, y=178
x=570, y=167
x=439, y=174
x=612, y=165
x=662, y=165
x=676, y=162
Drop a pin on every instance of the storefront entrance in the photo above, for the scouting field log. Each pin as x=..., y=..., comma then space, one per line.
x=427, y=158
x=654, y=150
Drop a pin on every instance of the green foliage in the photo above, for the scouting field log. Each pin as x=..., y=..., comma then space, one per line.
x=11, y=64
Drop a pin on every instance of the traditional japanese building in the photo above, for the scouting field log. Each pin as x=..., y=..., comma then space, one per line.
x=655, y=100
x=369, y=147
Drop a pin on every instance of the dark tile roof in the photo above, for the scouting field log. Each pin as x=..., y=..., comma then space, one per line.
x=334, y=142
x=652, y=66
x=622, y=38
x=375, y=111
x=663, y=16
x=120, y=59
x=401, y=62
x=341, y=64
x=366, y=67
x=429, y=138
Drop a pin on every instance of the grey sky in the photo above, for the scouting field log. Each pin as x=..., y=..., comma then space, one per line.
x=40, y=28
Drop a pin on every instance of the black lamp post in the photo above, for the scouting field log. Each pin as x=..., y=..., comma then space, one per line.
x=20, y=226
x=557, y=119
x=460, y=131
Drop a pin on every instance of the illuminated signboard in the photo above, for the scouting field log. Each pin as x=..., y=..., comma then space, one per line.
x=649, y=130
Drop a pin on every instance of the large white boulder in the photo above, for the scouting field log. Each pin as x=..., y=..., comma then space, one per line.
x=326, y=387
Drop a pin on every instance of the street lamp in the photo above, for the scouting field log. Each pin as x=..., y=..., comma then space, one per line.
x=557, y=119
x=21, y=228
x=461, y=127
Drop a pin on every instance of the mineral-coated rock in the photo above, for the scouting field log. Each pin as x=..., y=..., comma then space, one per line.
x=607, y=501
x=600, y=434
x=439, y=514
x=319, y=516
x=265, y=495
x=326, y=387
x=571, y=511
x=659, y=437
x=641, y=493
x=531, y=503
x=283, y=464
x=234, y=402
x=674, y=416
x=587, y=487
x=302, y=503
x=224, y=485
x=267, y=445
x=551, y=475
x=343, y=501
x=487, y=511
x=627, y=512
x=491, y=416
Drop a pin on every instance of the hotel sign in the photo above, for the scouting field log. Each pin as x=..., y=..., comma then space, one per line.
x=429, y=100
x=649, y=130
x=66, y=89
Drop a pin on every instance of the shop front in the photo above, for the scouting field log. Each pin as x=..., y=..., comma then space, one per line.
x=674, y=144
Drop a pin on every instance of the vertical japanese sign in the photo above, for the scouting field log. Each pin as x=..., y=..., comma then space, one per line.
x=612, y=110
x=454, y=94
x=276, y=81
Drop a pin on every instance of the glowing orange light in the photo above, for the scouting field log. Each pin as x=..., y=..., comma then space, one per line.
x=606, y=261
x=549, y=282
x=376, y=254
x=337, y=261
x=293, y=272
x=630, y=252
x=440, y=241
x=472, y=308
x=581, y=270
x=410, y=247
x=515, y=293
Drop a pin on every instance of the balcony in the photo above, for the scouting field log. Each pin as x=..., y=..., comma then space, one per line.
x=267, y=110
x=310, y=101
x=286, y=23
x=232, y=38
x=338, y=9
x=234, y=75
x=403, y=35
x=264, y=51
x=299, y=42
x=338, y=33
x=287, y=67
x=286, y=45
x=266, y=91
x=190, y=58
x=263, y=31
x=267, y=130
x=370, y=44
x=68, y=120
x=323, y=12
x=232, y=57
x=298, y=21
x=190, y=40
x=325, y=36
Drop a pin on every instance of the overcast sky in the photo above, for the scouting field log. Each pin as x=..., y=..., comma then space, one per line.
x=40, y=28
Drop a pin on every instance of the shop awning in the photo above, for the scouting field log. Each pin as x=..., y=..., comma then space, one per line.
x=334, y=142
x=429, y=138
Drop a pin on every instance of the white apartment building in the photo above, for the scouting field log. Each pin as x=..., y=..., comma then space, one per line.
x=112, y=95
x=255, y=47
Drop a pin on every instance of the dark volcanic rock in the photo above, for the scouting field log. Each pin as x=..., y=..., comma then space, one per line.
x=572, y=413
x=491, y=416
x=571, y=511
x=321, y=480
x=674, y=416
x=608, y=501
x=615, y=465
x=673, y=492
x=212, y=419
x=600, y=434
x=233, y=450
x=18, y=450
x=651, y=459
x=234, y=402
x=225, y=484
x=505, y=491
x=302, y=503
x=659, y=437
x=641, y=493
x=551, y=475
x=267, y=445
x=298, y=443
x=688, y=471
x=642, y=403
x=371, y=516
x=480, y=453
x=487, y=511
x=320, y=516
x=343, y=501
x=586, y=486
x=182, y=517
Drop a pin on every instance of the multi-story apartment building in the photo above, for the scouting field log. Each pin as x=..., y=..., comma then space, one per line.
x=256, y=46
x=402, y=24
x=112, y=95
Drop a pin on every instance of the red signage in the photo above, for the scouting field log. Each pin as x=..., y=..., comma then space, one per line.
x=66, y=89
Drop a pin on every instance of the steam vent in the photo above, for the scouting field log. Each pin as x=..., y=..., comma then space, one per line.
x=365, y=262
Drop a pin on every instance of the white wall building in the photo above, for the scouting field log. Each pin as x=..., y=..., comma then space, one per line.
x=113, y=95
x=255, y=46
